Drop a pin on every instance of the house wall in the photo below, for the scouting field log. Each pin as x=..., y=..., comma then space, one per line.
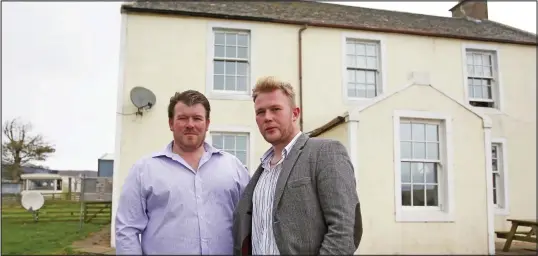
x=467, y=234
x=175, y=58
x=338, y=133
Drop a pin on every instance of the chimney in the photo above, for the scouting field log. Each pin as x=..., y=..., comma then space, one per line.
x=476, y=9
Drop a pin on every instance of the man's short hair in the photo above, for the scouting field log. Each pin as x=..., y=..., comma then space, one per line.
x=271, y=84
x=189, y=98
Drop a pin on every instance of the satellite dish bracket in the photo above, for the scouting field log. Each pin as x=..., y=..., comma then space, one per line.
x=147, y=107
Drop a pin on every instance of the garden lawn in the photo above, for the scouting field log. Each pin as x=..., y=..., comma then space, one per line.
x=43, y=237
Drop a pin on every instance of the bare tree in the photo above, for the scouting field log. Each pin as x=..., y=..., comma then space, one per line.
x=21, y=148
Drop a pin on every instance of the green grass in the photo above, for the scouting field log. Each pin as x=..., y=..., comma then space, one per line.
x=43, y=237
x=58, y=227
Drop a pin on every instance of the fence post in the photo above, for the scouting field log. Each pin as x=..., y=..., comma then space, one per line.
x=69, y=189
x=81, y=198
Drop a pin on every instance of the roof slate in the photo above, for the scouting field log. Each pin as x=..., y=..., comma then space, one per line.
x=327, y=14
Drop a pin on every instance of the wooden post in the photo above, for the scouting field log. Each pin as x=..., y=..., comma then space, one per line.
x=69, y=189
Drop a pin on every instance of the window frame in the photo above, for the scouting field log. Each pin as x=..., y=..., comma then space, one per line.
x=381, y=66
x=230, y=27
x=445, y=211
x=233, y=129
x=496, y=90
x=503, y=207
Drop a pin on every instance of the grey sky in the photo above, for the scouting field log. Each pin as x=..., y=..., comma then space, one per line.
x=60, y=64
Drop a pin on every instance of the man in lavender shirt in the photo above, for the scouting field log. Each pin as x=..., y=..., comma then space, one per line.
x=181, y=200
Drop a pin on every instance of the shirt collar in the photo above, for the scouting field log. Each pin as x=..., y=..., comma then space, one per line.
x=269, y=153
x=167, y=151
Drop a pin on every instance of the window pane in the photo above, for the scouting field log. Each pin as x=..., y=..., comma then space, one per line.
x=219, y=51
x=218, y=82
x=469, y=58
x=241, y=142
x=470, y=70
x=406, y=172
x=478, y=92
x=231, y=52
x=431, y=132
x=360, y=76
x=406, y=195
x=370, y=77
x=219, y=38
x=242, y=52
x=419, y=150
x=360, y=49
x=417, y=172
x=229, y=142
x=432, y=197
x=217, y=141
x=370, y=91
x=351, y=92
x=405, y=131
x=418, y=195
x=430, y=171
x=242, y=68
x=418, y=132
x=242, y=156
x=350, y=48
x=361, y=62
x=432, y=151
x=242, y=40
x=230, y=83
x=371, y=62
x=371, y=50
x=477, y=59
x=218, y=67
x=231, y=39
x=487, y=71
x=241, y=83
x=361, y=92
x=351, y=76
x=471, y=90
x=230, y=68
x=486, y=60
x=405, y=150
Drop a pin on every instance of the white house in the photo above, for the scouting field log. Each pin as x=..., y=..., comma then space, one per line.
x=437, y=113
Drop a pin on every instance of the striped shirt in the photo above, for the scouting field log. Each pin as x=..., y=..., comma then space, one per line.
x=263, y=239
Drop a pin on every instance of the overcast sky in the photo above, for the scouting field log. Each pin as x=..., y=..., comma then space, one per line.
x=60, y=64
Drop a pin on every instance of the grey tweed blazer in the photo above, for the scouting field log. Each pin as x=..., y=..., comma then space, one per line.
x=316, y=210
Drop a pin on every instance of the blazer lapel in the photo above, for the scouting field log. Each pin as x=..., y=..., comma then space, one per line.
x=249, y=191
x=287, y=166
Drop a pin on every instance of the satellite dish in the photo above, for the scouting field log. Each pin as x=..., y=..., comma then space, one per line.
x=32, y=200
x=142, y=98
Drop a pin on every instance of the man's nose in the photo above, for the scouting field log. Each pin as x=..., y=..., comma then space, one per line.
x=268, y=117
x=190, y=123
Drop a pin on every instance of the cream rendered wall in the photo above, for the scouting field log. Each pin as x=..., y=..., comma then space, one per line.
x=382, y=234
x=338, y=133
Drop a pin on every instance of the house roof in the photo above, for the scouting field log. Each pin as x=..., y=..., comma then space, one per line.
x=341, y=16
x=107, y=156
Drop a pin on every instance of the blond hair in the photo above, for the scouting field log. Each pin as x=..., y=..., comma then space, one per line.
x=271, y=84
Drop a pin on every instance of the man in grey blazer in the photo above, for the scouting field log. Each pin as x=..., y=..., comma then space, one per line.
x=302, y=199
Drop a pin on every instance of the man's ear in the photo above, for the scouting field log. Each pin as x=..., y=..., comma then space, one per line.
x=170, y=123
x=296, y=113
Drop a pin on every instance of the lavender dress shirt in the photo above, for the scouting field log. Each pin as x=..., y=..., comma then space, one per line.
x=176, y=209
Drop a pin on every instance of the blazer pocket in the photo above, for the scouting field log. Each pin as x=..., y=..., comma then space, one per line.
x=299, y=182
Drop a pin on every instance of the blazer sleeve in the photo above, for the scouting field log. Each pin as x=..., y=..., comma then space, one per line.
x=339, y=201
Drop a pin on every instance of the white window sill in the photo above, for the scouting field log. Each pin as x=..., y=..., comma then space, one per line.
x=484, y=110
x=361, y=101
x=423, y=216
x=228, y=96
x=501, y=211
